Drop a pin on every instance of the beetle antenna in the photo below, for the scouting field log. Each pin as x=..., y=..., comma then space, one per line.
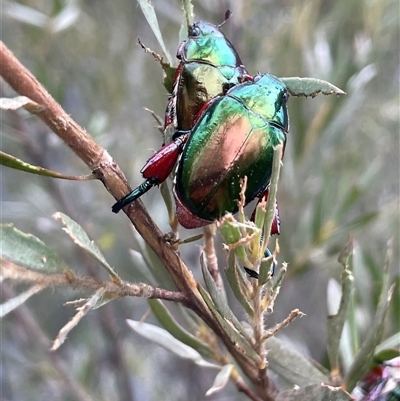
x=228, y=14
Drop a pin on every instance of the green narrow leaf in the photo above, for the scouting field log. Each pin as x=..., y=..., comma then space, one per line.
x=156, y=266
x=348, y=201
x=346, y=353
x=271, y=204
x=17, y=164
x=260, y=216
x=320, y=219
x=13, y=303
x=336, y=322
x=166, y=194
x=65, y=18
x=190, y=317
x=142, y=267
x=394, y=310
x=219, y=299
x=391, y=342
x=221, y=379
x=188, y=12
x=357, y=191
x=346, y=348
x=236, y=338
x=385, y=355
x=79, y=236
x=183, y=31
x=360, y=222
x=291, y=365
x=278, y=279
x=171, y=325
x=365, y=355
x=28, y=251
x=25, y=14
x=265, y=270
x=166, y=340
x=317, y=392
x=18, y=102
x=310, y=87
x=150, y=15
x=261, y=213
x=236, y=282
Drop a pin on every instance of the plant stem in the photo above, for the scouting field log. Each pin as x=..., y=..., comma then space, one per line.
x=10, y=270
x=209, y=250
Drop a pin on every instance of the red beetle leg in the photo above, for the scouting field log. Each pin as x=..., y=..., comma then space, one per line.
x=160, y=165
x=276, y=222
x=156, y=170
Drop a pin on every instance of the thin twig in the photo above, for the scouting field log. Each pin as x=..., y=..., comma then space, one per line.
x=258, y=329
x=12, y=271
x=292, y=315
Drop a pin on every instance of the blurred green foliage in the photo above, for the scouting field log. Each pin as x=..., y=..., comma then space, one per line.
x=340, y=175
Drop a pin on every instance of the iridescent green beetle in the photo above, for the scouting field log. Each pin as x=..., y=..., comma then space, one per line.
x=234, y=136
x=209, y=66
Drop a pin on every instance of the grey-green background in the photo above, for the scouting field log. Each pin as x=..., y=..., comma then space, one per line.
x=340, y=176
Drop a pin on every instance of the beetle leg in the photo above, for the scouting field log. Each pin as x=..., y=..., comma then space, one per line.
x=136, y=193
x=252, y=273
x=155, y=171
